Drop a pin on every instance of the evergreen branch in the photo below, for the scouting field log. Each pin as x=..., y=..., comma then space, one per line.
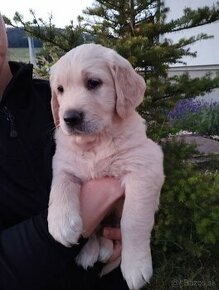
x=194, y=87
x=193, y=18
x=32, y=31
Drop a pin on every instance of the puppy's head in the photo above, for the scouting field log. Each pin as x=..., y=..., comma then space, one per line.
x=91, y=85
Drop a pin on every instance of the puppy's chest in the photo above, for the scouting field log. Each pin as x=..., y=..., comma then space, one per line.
x=103, y=162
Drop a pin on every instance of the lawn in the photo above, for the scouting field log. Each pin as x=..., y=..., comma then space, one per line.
x=19, y=54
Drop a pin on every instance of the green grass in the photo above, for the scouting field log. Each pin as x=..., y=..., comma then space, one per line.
x=189, y=273
x=19, y=54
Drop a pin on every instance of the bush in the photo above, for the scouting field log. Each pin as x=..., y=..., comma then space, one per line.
x=188, y=219
x=185, y=235
x=196, y=116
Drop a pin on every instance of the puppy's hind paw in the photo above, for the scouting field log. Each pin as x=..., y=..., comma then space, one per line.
x=106, y=249
x=89, y=253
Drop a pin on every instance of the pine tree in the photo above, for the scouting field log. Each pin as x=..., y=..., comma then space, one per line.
x=56, y=41
x=135, y=29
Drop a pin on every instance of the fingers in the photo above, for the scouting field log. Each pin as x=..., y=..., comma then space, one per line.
x=117, y=248
x=112, y=233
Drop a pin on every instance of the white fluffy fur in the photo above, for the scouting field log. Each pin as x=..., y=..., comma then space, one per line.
x=113, y=143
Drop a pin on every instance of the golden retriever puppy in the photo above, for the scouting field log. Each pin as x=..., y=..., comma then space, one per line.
x=94, y=95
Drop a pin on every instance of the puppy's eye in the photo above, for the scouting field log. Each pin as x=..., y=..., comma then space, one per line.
x=92, y=84
x=60, y=89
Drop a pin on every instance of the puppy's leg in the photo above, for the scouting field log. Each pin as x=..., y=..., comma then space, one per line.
x=141, y=195
x=64, y=221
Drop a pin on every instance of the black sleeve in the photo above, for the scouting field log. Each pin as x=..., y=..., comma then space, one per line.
x=30, y=258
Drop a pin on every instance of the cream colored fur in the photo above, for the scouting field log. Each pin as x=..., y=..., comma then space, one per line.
x=112, y=142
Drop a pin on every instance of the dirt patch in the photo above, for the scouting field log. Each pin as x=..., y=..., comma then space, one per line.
x=204, y=145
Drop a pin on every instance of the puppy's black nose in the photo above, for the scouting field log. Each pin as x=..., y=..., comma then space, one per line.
x=73, y=118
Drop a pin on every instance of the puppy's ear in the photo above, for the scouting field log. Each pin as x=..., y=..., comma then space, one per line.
x=55, y=108
x=54, y=99
x=130, y=86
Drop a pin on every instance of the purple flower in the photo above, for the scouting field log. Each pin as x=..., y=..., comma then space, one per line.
x=190, y=106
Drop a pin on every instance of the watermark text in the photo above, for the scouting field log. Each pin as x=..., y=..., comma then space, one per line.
x=176, y=283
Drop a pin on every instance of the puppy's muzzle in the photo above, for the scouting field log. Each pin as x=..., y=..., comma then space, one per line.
x=73, y=118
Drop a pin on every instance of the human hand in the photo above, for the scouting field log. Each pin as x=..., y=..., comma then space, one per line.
x=111, y=229
x=100, y=205
x=113, y=234
x=98, y=197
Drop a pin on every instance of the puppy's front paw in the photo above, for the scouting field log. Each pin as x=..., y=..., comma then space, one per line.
x=64, y=225
x=136, y=271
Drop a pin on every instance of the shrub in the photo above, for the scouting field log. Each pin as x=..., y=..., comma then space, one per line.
x=188, y=219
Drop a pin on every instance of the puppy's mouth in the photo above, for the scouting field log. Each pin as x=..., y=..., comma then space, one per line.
x=75, y=123
x=78, y=131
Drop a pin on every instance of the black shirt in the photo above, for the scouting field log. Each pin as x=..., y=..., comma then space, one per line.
x=26, y=146
x=29, y=257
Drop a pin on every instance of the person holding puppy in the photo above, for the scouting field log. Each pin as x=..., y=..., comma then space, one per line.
x=29, y=257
